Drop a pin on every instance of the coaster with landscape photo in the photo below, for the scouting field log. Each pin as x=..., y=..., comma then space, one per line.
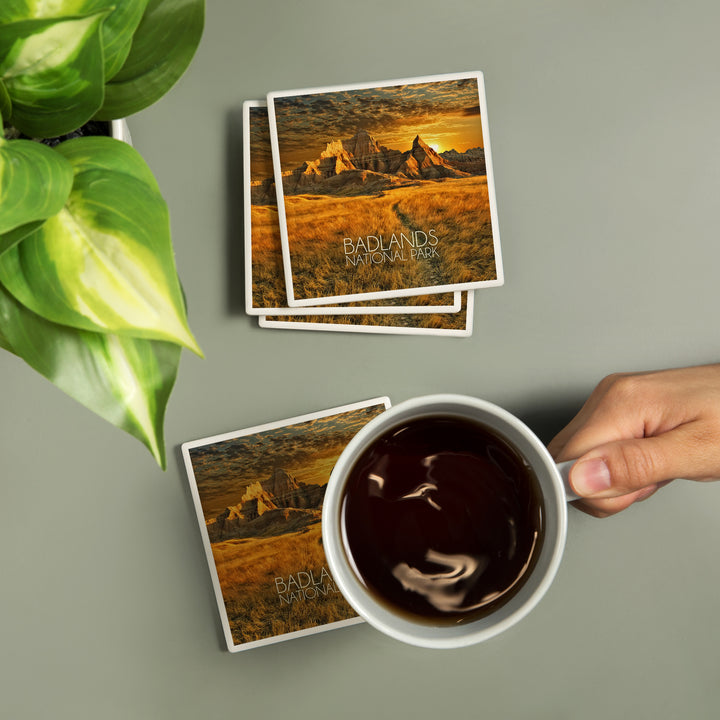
x=385, y=190
x=258, y=497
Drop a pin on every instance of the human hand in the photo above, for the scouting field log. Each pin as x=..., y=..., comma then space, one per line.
x=637, y=432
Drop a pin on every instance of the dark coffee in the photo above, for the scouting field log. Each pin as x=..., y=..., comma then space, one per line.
x=442, y=519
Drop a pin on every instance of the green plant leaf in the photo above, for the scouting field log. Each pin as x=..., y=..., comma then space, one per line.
x=125, y=380
x=163, y=46
x=35, y=182
x=105, y=261
x=53, y=72
x=117, y=30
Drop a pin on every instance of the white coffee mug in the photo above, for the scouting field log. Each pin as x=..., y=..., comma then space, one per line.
x=552, y=479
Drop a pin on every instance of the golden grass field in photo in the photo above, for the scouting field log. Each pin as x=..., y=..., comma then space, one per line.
x=247, y=569
x=457, y=209
x=268, y=279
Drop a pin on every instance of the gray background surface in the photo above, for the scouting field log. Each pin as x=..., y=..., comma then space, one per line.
x=604, y=125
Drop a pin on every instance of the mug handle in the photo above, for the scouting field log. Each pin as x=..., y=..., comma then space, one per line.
x=564, y=470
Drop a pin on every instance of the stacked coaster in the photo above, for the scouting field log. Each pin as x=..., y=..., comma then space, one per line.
x=370, y=207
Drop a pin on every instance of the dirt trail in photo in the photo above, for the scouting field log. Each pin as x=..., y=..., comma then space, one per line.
x=431, y=270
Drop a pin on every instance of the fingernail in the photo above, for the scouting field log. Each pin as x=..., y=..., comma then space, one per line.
x=590, y=477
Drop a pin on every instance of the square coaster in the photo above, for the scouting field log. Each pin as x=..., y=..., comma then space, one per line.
x=385, y=189
x=258, y=496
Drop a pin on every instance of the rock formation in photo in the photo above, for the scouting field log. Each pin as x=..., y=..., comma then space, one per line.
x=361, y=165
x=273, y=506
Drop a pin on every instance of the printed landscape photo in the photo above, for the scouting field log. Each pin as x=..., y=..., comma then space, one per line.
x=261, y=497
x=267, y=277
x=385, y=188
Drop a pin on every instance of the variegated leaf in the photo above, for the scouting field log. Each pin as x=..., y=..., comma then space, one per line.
x=117, y=30
x=125, y=380
x=53, y=73
x=105, y=261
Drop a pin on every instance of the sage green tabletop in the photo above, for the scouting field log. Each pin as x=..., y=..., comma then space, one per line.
x=604, y=124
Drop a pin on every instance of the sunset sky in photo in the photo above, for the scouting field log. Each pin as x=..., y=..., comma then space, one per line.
x=445, y=114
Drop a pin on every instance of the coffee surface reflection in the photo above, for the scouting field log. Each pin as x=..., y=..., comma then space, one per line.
x=442, y=519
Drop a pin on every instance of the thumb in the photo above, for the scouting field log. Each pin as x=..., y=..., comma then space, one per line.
x=625, y=466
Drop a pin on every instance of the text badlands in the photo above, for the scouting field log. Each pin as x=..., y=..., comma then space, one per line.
x=376, y=249
x=304, y=586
